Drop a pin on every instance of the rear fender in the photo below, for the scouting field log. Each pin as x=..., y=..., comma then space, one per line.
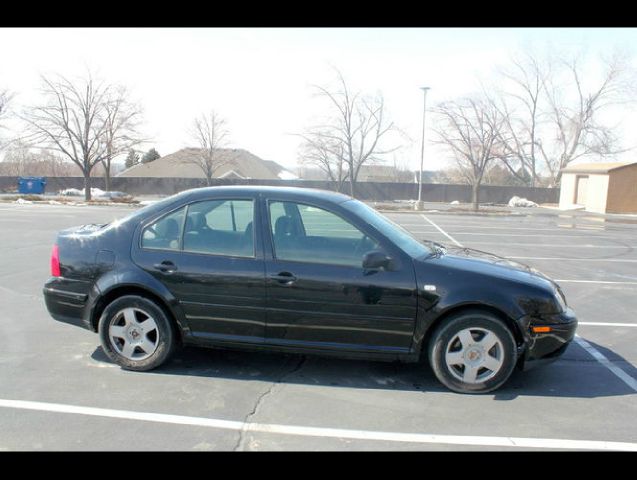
x=134, y=281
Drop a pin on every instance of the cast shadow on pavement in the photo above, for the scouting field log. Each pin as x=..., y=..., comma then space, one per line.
x=576, y=374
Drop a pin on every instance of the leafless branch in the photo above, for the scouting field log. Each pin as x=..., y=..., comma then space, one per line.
x=358, y=130
x=210, y=133
x=72, y=119
x=471, y=129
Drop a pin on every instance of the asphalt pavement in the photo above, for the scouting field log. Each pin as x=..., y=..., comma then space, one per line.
x=58, y=391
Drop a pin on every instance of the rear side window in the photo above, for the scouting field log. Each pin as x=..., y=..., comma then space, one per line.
x=220, y=227
x=165, y=233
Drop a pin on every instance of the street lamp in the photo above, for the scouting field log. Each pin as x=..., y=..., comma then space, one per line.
x=419, y=204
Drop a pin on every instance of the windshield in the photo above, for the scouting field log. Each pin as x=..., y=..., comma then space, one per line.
x=397, y=234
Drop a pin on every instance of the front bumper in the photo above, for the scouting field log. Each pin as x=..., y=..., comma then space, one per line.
x=543, y=348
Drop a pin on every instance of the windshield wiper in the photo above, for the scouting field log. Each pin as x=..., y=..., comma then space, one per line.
x=438, y=248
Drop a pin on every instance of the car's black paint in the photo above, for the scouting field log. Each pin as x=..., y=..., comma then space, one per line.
x=265, y=302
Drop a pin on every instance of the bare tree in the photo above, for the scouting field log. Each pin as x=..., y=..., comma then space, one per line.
x=210, y=133
x=320, y=149
x=5, y=99
x=520, y=105
x=72, y=121
x=121, y=132
x=400, y=171
x=574, y=112
x=22, y=160
x=359, y=125
x=470, y=129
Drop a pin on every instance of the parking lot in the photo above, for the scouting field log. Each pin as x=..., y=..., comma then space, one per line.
x=58, y=391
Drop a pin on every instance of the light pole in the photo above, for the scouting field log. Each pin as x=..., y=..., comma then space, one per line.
x=419, y=204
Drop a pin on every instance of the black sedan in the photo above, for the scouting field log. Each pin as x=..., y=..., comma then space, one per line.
x=306, y=271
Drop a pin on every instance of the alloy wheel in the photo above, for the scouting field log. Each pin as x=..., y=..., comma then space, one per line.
x=474, y=355
x=133, y=334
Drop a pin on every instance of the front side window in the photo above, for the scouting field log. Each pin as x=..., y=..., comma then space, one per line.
x=165, y=232
x=220, y=227
x=306, y=233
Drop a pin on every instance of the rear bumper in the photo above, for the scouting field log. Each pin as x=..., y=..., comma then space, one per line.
x=543, y=348
x=65, y=304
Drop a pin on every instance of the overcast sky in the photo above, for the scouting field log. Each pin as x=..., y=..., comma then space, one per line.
x=261, y=79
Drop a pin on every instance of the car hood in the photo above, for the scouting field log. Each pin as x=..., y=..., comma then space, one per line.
x=489, y=264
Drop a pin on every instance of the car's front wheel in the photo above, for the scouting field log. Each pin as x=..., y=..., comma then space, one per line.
x=136, y=333
x=472, y=352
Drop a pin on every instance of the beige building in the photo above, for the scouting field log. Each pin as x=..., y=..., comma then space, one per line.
x=600, y=187
x=237, y=163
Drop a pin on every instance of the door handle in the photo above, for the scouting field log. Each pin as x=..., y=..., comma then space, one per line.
x=166, y=266
x=284, y=278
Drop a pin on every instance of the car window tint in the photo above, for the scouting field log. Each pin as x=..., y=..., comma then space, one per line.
x=165, y=232
x=321, y=223
x=310, y=234
x=220, y=227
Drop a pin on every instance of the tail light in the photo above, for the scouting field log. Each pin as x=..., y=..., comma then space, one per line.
x=55, y=261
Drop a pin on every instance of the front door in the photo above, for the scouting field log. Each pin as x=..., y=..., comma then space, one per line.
x=318, y=294
x=208, y=256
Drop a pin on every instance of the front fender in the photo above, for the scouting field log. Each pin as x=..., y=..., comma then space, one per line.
x=433, y=307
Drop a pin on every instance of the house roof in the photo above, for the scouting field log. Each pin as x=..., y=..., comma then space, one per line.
x=240, y=163
x=596, y=167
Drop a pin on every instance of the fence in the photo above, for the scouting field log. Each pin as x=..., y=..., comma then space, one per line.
x=375, y=191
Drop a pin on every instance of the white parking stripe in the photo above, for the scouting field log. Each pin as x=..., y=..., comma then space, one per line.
x=599, y=356
x=608, y=324
x=563, y=245
x=617, y=260
x=443, y=232
x=603, y=282
x=481, y=227
x=424, y=438
x=525, y=235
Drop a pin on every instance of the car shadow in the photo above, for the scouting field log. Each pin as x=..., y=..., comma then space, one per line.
x=576, y=374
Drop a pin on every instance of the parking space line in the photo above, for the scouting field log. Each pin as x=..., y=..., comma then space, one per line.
x=602, y=282
x=577, y=259
x=558, y=245
x=424, y=438
x=609, y=324
x=482, y=227
x=599, y=356
x=525, y=235
x=442, y=231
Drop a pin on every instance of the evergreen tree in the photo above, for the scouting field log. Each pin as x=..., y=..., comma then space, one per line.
x=132, y=158
x=150, y=155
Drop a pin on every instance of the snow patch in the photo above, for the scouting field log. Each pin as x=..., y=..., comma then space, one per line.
x=521, y=202
x=287, y=175
x=74, y=192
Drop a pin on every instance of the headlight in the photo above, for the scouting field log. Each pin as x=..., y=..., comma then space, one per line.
x=560, y=299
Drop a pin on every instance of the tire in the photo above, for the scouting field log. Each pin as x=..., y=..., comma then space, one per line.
x=136, y=333
x=472, y=352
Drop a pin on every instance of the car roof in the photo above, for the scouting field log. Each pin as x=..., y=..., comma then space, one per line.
x=296, y=193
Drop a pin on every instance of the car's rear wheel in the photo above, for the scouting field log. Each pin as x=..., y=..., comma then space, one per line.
x=472, y=352
x=136, y=333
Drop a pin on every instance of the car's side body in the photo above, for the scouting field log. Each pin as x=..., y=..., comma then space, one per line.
x=249, y=302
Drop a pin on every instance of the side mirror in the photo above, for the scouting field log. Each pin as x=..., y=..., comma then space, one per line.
x=376, y=259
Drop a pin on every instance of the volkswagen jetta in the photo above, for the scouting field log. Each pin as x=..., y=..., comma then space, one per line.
x=305, y=271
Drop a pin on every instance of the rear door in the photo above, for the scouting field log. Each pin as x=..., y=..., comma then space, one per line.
x=318, y=294
x=208, y=255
